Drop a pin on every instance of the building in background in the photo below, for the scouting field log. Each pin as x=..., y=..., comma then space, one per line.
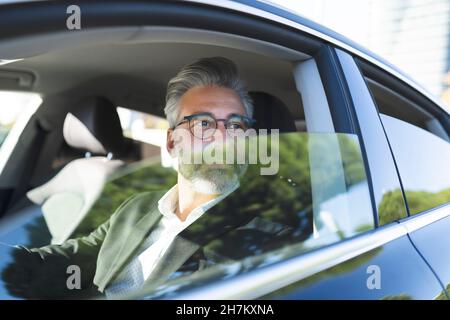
x=412, y=34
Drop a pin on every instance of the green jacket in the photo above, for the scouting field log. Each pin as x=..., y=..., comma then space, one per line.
x=42, y=272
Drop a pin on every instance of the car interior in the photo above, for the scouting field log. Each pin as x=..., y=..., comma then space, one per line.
x=74, y=142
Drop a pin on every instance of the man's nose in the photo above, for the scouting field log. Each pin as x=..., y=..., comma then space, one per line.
x=219, y=135
x=221, y=132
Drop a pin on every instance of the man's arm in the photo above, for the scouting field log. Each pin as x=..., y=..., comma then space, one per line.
x=43, y=273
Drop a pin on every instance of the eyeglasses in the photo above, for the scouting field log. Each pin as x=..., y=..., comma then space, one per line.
x=204, y=125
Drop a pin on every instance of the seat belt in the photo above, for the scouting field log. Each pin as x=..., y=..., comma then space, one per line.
x=31, y=160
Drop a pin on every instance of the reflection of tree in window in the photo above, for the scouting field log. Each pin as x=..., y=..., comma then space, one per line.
x=266, y=213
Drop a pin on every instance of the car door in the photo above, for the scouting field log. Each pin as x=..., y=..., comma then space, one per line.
x=417, y=174
x=418, y=134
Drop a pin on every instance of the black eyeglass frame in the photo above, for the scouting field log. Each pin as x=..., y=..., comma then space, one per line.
x=249, y=121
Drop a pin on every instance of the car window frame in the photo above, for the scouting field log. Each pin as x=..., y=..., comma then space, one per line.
x=417, y=100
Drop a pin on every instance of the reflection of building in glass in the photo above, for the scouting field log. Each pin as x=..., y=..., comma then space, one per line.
x=412, y=34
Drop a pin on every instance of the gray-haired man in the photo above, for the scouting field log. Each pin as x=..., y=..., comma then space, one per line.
x=141, y=244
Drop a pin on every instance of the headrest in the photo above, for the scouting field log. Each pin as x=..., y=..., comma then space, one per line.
x=271, y=113
x=94, y=126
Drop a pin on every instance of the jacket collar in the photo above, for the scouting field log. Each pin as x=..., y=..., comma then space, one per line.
x=219, y=220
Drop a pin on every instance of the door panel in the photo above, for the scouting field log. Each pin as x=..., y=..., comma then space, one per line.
x=403, y=275
x=433, y=242
x=383, y=172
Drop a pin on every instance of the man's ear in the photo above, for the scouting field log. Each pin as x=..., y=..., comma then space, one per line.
x=170, y=143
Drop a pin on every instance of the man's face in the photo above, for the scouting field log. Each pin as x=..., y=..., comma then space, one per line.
x=220, y=103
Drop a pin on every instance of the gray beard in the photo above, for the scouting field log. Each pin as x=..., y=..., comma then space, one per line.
x=209, y=179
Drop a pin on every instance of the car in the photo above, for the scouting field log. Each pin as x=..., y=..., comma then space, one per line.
x=359, y=205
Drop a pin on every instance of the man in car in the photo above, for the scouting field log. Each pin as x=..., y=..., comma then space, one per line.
x=140, y=245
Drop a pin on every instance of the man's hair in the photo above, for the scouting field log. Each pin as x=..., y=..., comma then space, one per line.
x=215, y=71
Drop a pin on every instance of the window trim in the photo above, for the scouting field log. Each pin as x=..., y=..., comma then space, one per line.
x=413, y=105
x=403, y=89
x=378, y=152
x=406, y=90
x=407, y=94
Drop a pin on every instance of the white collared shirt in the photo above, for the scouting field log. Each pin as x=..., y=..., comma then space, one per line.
x=169, y=227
